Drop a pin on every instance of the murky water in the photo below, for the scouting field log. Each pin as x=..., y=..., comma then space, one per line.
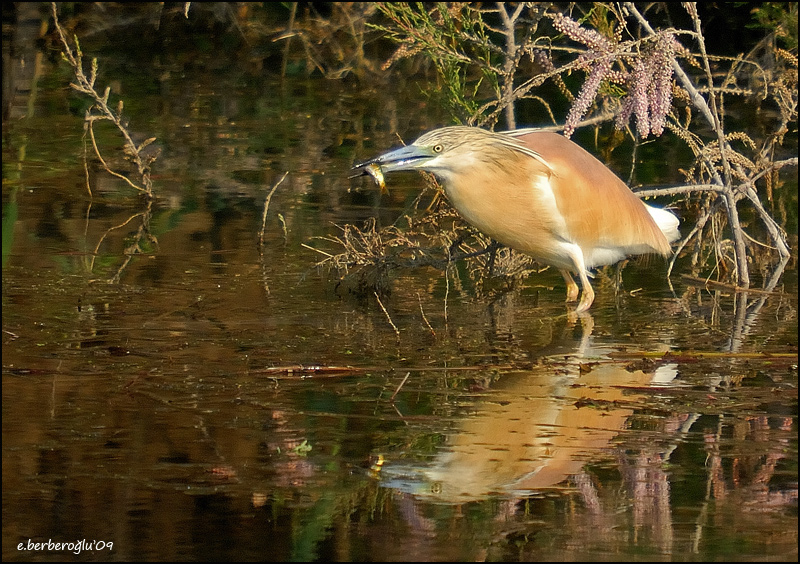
x=209, y=399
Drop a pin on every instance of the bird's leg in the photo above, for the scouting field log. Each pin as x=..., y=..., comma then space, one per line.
x=618, y=276
x=587, y=296
x=572, y=287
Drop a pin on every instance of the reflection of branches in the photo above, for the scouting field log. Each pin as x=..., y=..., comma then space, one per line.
x=746, y=315
x=648, y=482
x=332, y=45
x=135, y=248
x=649, y=491
x=108, y=232
x=85, y=85
x=747, y=485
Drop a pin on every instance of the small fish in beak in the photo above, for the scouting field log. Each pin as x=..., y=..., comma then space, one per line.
x=411, y=157
x=374, y=170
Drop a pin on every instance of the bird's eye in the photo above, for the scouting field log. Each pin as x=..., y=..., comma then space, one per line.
x=437, y=148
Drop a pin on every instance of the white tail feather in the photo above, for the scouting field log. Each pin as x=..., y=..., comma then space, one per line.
x=666, y=221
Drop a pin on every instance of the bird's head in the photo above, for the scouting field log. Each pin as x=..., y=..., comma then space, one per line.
x=449, y=150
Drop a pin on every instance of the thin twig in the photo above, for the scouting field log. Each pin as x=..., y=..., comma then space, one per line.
x=90, y=127
x=425, y=319
x=266, y=208
x=389, y=317
x=675, y=190
x=394, y=395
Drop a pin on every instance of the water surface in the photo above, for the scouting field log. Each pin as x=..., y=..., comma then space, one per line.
x=208, y=398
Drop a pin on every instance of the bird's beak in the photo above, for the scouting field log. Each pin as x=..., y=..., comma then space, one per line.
x=411, y=157
x=404, y=158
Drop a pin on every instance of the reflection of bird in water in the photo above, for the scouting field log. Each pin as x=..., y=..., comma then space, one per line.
x=538, y=193
x=532, y=433
x=535, y=429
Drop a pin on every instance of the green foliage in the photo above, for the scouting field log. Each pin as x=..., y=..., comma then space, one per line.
x=780, y=17
x=456, y=39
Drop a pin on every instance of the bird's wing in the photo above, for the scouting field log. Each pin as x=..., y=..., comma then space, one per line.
x=599, y=210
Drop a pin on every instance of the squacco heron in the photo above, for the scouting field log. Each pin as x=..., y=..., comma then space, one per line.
x=539, y=193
